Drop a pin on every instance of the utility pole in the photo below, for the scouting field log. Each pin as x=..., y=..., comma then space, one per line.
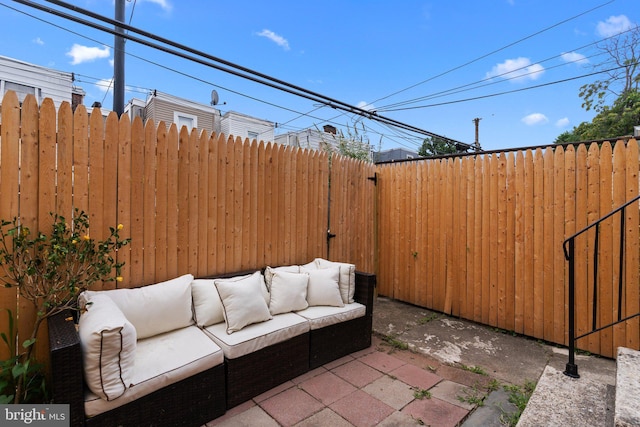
x=477, y=123
x=118, y=61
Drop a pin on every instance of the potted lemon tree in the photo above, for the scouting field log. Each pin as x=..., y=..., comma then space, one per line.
x=49, y=270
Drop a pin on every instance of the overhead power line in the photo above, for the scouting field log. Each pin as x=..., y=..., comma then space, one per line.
x=491, y=80
x=444, y=73
x=415, y=107
x=229, y=67
x=106, y=84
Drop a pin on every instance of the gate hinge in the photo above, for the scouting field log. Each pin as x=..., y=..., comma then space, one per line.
x=374, y=178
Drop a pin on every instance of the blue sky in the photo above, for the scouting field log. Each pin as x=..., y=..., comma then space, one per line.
x=377, y=54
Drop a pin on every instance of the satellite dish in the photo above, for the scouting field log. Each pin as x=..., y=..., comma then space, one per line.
x=214, y=97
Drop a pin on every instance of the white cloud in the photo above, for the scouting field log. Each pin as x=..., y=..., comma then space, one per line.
x=105, y=85
x=164, y=4
x=563, y=122
x=38, y=41
x=518, y=69
x=366, y=106
x=277, y=39
x=612, y=26
x=535, y=119
x=575, y=57
x=82, y=54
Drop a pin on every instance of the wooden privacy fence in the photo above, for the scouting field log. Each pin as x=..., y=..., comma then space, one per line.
x=191, y=202
x=480, y=237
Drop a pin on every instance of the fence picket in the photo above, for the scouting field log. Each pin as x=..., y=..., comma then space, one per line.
x=64, y=170
x=501, y=239
x=559, y=233
x=110, y=181
x=95, y=160
x=47, y=160
x=124, y=193
x=510, y=245
x=593, y=213
x=148, y=202
x=632, y=248
x=174, y=226
x=161, y=229
x=548, y=256
x=618, y=198
x=605, y=266
x=538, y=244
x=29, y=191
x=137, y=206
x=80, y=159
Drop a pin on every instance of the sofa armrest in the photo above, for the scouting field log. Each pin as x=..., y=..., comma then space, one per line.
x=365, y=289
x=67, y=385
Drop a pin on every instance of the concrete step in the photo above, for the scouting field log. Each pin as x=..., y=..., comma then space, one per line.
x=563, y=401
x=627, y=412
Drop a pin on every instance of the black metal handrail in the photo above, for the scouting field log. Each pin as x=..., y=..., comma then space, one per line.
x=568, y=245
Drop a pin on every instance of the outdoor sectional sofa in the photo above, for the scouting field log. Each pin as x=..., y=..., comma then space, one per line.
x=184, y=351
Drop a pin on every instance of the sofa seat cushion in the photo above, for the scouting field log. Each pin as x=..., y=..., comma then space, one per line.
x=160, y=361
x=321, y=316
x=259, y=335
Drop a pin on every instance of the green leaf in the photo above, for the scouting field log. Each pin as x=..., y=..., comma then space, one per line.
x=28, y=343
x=4, y=399
x=18, y=370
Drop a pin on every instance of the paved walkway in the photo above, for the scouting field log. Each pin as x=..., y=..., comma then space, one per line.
x=451, y=375
x=380, y=386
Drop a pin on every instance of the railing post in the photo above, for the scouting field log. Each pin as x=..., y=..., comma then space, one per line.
x=571, y=368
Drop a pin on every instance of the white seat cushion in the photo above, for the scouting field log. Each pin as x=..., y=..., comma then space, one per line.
x=259, y=335
x=160, y=361
x=321, y=316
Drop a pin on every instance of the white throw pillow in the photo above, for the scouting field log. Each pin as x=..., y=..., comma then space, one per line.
x=268, y=273
x=108, y=342
x=347, y=278
x=243, y=301
x=207, y=306
x=158, y=308
x=323, y=288
x=313, y=265
x=288, y=292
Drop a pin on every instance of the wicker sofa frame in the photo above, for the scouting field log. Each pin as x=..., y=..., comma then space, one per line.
x=206, y=396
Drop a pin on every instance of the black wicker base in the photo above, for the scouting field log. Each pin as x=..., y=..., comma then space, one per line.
x=333, y=342
x=257, y=372
x=193, y=401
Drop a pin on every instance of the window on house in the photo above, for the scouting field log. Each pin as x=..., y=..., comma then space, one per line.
x=252, y=135
x=21, y=90
x=183, y=119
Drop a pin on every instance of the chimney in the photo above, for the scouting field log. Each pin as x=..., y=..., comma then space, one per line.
x=77, y=97
x=330, y=129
